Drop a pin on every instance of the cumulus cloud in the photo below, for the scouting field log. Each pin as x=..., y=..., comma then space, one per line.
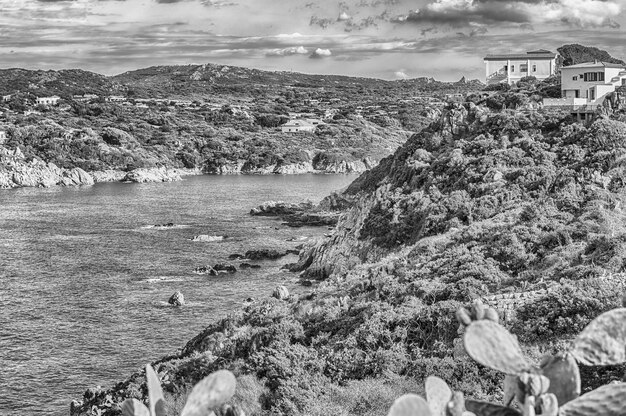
x=457, y=13
x=321, y=53
x=294, y=50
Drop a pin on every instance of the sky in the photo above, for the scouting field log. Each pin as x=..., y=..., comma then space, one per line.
x=389, y=39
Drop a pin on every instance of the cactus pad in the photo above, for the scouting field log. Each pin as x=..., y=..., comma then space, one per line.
x=603, y=341
x=492, y=315
x=438, y=395
x=210, y=393
x=489, y=344
x=564, y=377
x=488, y=409
x=133, y=407
x=609, y=400
x=510, y=389
x=409, y=405
x=155, y=393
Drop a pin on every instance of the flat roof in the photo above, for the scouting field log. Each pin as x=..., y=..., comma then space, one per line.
x=595, y=65
x=528, y=55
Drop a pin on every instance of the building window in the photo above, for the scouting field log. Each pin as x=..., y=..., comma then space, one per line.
x=575, y=78
x=534, y=68
x=577, y=93
x=523, y=67
x=512, y=68
x=593, y=76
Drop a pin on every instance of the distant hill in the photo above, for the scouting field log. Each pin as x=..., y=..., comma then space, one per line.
x=65, y=82
x=576, y=54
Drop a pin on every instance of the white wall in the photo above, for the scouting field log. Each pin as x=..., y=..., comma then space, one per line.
x=544, y=69
x=569, y=85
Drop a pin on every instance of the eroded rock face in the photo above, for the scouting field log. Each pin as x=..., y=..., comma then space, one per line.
x=177, y=299
x=143, y=175
x=17, y=172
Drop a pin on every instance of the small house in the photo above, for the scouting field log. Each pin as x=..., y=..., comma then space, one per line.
x=3, y=136
x=53, y=100
x=510, y=68
x=299, y=125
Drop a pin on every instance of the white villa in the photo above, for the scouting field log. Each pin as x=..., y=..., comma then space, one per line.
x=300, y=125
x=513, y=67
x=585, y=86
x=54, y=100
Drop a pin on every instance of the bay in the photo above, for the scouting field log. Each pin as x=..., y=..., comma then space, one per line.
x=85, y=276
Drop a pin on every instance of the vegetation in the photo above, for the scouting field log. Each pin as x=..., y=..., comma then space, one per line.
x=482, y=202
x=576, y=54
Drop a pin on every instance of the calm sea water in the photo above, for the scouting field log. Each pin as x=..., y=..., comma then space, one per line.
x=84, y=279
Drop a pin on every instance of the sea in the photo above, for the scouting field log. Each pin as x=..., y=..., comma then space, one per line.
x=86, y=272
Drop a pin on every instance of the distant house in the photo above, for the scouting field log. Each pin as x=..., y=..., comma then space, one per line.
x=85, y=97
x=298, y=125
x=510, y=68
x=53, y=100
x=585, y=86
x=3, y=136
x=6, y=98
x=115, y=98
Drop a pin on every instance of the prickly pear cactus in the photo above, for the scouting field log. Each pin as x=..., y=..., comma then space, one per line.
x=155, y=393
x=133, y=407
x=491, y=345
x=602, y=341
x=489, y=409
x=609, y=400
x=410, y=405
x=438, y=395
x=210, y=393
x=564, y=376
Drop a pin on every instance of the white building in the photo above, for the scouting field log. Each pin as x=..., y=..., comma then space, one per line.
x=513, y=67
x=53, y=100
x=115, y=98
x=3, y=136
x=585, y=86
x=299, y=125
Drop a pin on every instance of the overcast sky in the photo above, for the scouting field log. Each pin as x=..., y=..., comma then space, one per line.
x=389, y=39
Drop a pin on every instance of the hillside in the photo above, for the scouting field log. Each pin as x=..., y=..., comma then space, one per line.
x=577, y=54
x=481, y=202
x=208, y=118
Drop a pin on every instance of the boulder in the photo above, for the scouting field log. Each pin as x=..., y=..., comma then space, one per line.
x=205, y=270
x=236, y=256
x=223, y=267
x=142, y=175
x=264, y=254
x=177, y=299
x=281, y=293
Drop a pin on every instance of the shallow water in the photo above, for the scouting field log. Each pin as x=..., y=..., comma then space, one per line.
x=85, y=275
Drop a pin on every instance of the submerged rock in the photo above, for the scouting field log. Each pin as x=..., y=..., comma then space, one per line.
x=223, y=267
x=264, y=254
x=205, y=270
x=177, y=299
x=249, y=266
x=207, y=238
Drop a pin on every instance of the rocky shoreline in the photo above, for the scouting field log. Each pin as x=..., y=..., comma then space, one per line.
x=18, y=172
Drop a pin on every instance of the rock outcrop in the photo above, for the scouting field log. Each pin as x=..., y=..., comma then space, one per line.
x=142, y=175
x=177, y=299
x=16, y=172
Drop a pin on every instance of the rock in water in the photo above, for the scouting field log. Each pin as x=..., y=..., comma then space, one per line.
x=264, y=254
x=229, y=268
x=281, y=293
x=177, y=299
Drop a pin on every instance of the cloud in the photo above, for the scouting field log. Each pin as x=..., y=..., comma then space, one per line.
x=320, y=53
x=458, y=13
x=294, y=50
